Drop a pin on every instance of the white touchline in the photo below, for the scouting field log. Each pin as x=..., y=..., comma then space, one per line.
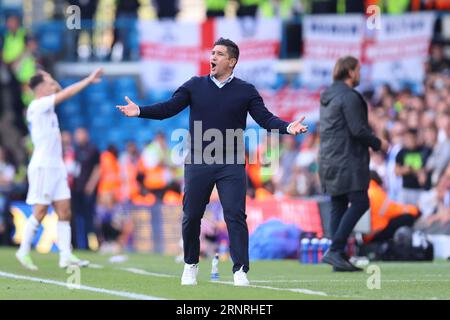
x=146, y=273
x=123, y=294
x=297, y=290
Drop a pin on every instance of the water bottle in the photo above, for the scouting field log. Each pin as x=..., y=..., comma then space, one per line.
x=324, y=245
x=304, y=250
x=215, y=268
x=315, y=250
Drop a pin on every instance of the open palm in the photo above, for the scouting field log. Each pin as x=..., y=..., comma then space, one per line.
x=130, y=110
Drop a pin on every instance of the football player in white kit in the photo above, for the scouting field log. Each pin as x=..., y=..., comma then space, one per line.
x=47, y=176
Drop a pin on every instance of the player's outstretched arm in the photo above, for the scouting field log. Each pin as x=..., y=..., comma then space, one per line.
x=73, y=89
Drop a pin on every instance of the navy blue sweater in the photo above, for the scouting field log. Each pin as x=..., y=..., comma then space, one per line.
x=217, y=108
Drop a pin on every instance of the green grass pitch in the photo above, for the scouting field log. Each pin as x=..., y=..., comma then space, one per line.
x=149, y=276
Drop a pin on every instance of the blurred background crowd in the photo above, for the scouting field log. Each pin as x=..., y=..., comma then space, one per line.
x=107, y=173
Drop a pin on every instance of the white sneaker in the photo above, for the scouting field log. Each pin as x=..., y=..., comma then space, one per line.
x=240, y=278
x=189, y=277
x=26, y=262
x=72, y=260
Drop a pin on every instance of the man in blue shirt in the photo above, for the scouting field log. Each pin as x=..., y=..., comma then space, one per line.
x=219, y=101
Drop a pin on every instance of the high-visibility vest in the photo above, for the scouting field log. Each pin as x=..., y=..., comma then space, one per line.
x=382, y=209
x=394, y=7
x=26, y=68
x=268, y=10
x=437, y=4
x=109, y=175
x=155, y=178
x=341, y=6
x=130, y=184
x=250, y=2
x=216, y=4
x=14, y=45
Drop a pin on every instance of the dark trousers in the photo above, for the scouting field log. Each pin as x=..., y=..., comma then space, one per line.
x=345, y=217
x=230, y=180
x=83, y=211
x=397, y=222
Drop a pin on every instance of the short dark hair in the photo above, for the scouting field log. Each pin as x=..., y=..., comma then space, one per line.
x=36, y=80
x=343, y=66
x=232, y=48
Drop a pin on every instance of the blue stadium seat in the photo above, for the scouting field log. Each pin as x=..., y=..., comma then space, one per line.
x=71, y=123
x=69, y=108
x=67, y=81
x=124, y=83
x=155, y=96
x=50, y=36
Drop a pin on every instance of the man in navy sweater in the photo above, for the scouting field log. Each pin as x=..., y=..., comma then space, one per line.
x=220, y=102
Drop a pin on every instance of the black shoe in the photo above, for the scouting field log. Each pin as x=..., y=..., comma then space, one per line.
x=337, y=260
x=353, y=269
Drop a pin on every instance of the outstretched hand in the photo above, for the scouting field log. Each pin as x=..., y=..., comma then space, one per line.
x=96, y=75
x=130, y=110
x=297, y=127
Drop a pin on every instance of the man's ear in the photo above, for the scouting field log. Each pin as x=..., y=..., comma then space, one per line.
x=233, y=62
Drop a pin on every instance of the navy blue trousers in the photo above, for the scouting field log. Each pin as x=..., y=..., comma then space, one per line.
x=231, y=181
x=344, y=217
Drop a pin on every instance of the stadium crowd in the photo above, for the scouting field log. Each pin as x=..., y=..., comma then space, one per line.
x=414, y=174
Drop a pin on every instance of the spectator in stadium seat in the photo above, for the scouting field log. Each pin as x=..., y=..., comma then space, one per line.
x=166, y=9
x=125, y=23
x=440, y=157
x=344, y=156
x=110, y=182
x=84, y=192
x=154, y=166
x=68, y=156
x=14, y=45
x=248, y=8
x=304, y=179
x=215, y=8
x=439, y=223
x=411, y=161
x=393, y=182
x=437, y=61
x=289, y=152
x=129, y=160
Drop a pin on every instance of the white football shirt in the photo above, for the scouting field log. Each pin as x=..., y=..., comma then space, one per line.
x=45, y=135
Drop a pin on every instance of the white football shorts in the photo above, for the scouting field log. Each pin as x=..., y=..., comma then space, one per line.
x=46, y=185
